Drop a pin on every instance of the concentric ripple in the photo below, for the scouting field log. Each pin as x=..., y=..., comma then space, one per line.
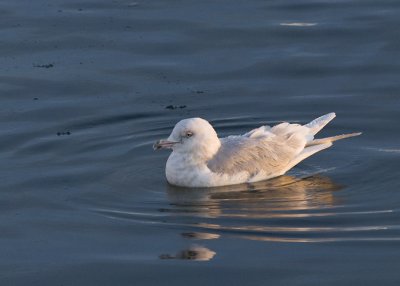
x=306, y=205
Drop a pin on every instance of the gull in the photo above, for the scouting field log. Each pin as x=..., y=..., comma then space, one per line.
x=200, y=159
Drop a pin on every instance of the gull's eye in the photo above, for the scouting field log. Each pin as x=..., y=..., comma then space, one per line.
x=188, y=134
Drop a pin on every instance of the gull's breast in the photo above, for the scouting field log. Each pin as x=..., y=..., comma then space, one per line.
x=180, y=172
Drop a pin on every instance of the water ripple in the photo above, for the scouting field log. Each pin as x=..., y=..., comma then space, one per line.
x=287, y=209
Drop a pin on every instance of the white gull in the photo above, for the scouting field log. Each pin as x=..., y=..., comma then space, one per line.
x=200, y=159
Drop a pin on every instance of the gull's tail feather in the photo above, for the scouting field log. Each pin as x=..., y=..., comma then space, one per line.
x=317, y=124
x=317, y=145
x=331, y=139
x=307, y=152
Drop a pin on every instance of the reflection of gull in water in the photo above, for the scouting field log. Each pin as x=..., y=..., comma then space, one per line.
x=195, y=252
x=200, y=235
x=260, y=199
x=201, y=159
x=259, y=211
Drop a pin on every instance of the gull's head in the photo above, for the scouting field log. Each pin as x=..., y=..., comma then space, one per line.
x=192, y=137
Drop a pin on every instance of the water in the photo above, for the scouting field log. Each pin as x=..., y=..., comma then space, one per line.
x=85, y=86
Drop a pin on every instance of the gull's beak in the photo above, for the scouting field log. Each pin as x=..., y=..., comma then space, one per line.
x=164, y=144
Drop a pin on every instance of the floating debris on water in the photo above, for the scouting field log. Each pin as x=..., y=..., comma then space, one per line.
x=172, y=107
x=46, y=66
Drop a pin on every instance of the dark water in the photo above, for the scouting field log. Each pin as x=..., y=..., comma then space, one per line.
x=84, y=88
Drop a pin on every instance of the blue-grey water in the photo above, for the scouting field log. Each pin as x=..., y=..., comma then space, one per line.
x=87, y=86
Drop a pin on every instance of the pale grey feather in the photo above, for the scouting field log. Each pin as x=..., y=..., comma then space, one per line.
x=317, y=124
x=332, y=139
x=255, y=154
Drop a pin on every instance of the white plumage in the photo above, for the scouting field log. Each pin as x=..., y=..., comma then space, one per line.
x=201, y=159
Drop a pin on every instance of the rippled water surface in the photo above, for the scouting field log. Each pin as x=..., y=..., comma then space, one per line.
x=88, y=86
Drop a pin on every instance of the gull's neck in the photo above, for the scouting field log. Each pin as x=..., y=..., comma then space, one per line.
x=205, y=150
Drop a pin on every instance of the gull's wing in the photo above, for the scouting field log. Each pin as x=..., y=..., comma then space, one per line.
x=267, y=151
x=308, y=130
x=317, y=124
x=263, y=131
x=266, y=155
